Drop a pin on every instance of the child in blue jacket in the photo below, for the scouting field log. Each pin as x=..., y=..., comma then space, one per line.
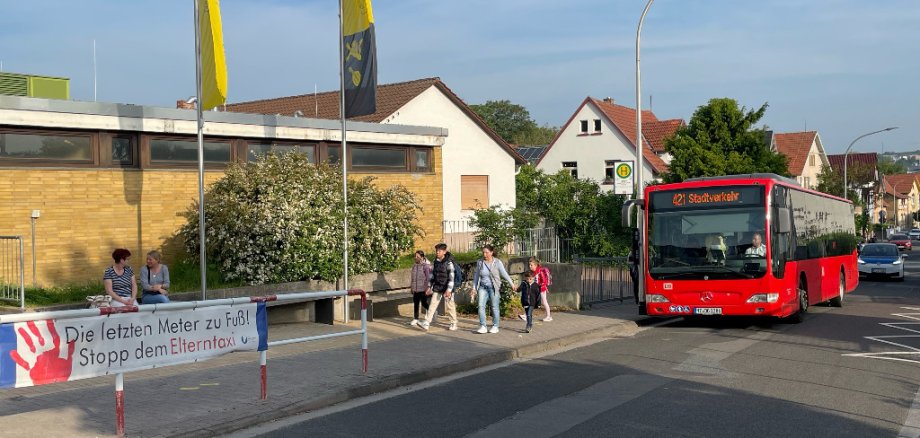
x=530, y=297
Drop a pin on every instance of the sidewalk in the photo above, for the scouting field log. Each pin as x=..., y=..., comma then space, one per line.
x=221, y=395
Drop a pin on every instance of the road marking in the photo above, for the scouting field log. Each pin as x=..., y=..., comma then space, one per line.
x=707, y=358
x=897, y=355
x=209, y=384
x=188, y=388
x=556, y=416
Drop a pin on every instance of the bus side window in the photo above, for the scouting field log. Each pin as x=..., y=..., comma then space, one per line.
x=781, y=239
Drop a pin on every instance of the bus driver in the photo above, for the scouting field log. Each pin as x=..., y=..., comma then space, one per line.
x=757, y=249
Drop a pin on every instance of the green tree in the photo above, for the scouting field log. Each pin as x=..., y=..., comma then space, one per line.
x=513, y=123
x=721, y=140
x=536, y=136
x=859, y=175
x=499, y=226
x=888, y=166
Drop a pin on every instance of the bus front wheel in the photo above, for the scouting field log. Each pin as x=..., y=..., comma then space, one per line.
x=799, y=315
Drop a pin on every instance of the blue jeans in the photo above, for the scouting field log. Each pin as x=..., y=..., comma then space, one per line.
x=529, y=310
x=154, y=299
x=488, y=293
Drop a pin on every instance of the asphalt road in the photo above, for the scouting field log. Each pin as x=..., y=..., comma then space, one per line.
x=850, y=372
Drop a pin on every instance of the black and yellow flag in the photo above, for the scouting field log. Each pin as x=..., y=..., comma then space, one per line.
x=359, y=58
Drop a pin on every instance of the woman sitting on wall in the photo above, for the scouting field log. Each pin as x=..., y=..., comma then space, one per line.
x=119, y=280
x=154, y=280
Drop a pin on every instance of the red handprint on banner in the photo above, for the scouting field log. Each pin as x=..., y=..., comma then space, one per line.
x=48, y=365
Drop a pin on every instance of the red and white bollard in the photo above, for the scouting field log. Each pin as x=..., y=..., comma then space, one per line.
x=263, y=364
x=120, y=405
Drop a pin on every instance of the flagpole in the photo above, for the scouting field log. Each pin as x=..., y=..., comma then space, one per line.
x=202, y=261
x=344, y=155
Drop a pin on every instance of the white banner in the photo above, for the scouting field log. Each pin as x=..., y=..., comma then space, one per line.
x=49, y=351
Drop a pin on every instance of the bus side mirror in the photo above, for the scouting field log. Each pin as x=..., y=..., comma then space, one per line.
x=783, y=221
x=626, y=213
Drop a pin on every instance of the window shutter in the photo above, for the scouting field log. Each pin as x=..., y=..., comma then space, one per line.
x=474, y=192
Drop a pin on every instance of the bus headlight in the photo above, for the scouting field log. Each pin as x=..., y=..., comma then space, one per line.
x=764, y=298
x=655, y=298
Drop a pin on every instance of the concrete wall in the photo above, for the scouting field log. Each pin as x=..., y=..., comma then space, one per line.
x=592, y=150
x=467, y=150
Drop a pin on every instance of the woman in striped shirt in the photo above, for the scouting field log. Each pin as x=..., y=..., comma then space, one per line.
x=119, y=280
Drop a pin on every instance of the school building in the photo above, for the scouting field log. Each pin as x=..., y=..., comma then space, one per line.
x=101, y=175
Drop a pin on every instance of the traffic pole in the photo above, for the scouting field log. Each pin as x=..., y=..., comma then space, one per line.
x=120, y=405
x=263, y=365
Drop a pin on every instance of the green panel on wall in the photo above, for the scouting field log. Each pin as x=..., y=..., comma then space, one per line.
x=12, y=84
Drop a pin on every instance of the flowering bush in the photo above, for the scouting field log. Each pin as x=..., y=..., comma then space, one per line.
x=279, y=219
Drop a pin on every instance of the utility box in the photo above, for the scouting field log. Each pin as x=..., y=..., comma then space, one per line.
x=46, y=87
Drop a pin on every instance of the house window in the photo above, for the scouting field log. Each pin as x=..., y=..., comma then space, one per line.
x=584, y=126
x=811, y=160
x=256, y=150
x=608, y=171
x=421, y=160
x=379, y=158
x=186, y=151
x=71, y=148
x=572, y=167
x=123, y=150
x=474, y=192
x=334, y=154
x=597, y=125
x=807, y=182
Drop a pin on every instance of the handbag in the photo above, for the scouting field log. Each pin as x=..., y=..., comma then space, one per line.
x=97, y=301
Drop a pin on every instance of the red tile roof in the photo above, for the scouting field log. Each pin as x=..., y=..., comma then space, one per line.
x=390, y=98
x=657, y=132
x=624, y=118
x=904, y=183
x=795, y=146
x=868, y=158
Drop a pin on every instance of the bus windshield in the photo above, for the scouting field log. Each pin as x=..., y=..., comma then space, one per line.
x=707, y=243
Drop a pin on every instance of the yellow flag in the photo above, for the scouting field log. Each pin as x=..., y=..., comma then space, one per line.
x=213, y=63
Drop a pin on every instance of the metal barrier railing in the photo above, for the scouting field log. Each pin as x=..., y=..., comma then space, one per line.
x=32, y=330
x=12, y=270
x=605, y=279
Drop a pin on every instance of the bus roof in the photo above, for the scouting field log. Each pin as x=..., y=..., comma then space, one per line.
x=772, y=176
x=750, y=176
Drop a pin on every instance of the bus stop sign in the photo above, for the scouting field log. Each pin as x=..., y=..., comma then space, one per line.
x=623, y=177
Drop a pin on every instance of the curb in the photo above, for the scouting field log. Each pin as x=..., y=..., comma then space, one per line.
x=625, y=328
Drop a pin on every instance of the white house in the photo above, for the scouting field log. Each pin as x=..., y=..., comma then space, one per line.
x=601, y=132
x=805, y=154
x=478, y=165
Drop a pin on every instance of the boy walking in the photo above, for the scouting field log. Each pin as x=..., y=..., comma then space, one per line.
x=530, y=296
x=441, y=286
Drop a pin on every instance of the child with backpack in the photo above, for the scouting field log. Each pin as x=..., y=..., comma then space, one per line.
x=543, y=278
x=418, y=285
x=530, y=293
x=441, y=284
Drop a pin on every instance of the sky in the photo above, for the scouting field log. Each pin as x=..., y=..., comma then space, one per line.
x=841, y=67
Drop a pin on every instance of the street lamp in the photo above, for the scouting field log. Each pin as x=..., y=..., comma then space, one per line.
x=640, y=168
x=847, y=153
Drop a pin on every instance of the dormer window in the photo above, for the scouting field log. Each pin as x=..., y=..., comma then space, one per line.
x=584, y=126
x=597, y=126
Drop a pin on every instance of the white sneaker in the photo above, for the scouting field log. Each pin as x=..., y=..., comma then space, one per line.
x=414, y=323
x=482, y=330
x=494, y=329
x=548, y=319
x=423, y=325
x=453, y=327
x=523, y=317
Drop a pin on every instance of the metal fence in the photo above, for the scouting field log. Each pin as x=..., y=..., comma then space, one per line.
x=605, y=279
x=12, y=270
x=542, y=243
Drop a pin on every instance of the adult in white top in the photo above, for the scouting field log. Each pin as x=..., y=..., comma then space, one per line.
x=758, y=249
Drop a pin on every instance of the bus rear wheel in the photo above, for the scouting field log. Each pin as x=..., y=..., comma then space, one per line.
x=841, y=289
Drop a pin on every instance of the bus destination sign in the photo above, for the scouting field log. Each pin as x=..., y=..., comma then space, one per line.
x=729, y=196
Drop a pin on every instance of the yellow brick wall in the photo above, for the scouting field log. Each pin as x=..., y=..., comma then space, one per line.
x=428, y=189
x=87, y=213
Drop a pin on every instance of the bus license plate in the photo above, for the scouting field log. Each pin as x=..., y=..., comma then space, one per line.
x=708, y=311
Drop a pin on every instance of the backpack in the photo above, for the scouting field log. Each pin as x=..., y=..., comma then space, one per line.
x=458, y=274
x=549, y=276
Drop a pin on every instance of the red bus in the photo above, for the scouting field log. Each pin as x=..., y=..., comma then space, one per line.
x=756, y=244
